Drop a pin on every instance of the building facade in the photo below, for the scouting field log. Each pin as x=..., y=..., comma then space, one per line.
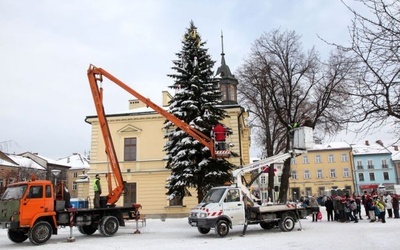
x=327, y=169
x=374, y=169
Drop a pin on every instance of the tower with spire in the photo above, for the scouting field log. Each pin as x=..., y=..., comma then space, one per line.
x=227, y=81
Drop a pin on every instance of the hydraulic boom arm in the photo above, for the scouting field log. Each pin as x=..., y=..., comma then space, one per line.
x=95, y=76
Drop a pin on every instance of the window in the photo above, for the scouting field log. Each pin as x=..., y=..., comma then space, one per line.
x=263, y=179
x=386, y=176
x=346, y=172
x=224, y=92
x=130, y=149
x=371, y=176
x=293, y=160
x=370, y=164
x=344, y=157
x=294, y=175
x=359, y=165
x=35, y=192
x=308, y=191
x=305, y=159
x=318, y=159
x=232, y=196
x=232, y=93
x=319, y=174
x=48, y=191
x=306, y=174
x=361, y=176
x=75, y=174
x=74, y=186
x=176, y=201
x=333, y=173
x=331, y=158
x=384, y=163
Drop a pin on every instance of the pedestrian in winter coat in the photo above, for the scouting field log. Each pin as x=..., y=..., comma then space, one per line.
x=329, y=208
x=364, y=200
x=357, y=212
x=395, y=205
x=381, y=206
x=349, y=206
x=387, y=199
x=371, y=209
x=314, y=209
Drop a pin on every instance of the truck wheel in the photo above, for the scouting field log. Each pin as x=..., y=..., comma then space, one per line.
x=108, y=226
x=267, y=225
x=287, y=223
x=89, y=230
x=40, y=232
x=17, y=236
x=203, y=230
x=222, y=228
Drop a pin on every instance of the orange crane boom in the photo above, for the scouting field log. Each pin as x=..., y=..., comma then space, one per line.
x=95, y=76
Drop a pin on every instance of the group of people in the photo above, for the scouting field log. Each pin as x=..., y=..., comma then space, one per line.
x=348, y=208
x=376, y=206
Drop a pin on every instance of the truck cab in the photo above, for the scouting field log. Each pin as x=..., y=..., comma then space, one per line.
x=221, y=208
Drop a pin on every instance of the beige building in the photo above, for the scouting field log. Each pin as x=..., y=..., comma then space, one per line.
x=140, y=130
x=326, y=169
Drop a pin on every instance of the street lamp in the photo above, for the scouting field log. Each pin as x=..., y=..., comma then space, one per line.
x=56, y=173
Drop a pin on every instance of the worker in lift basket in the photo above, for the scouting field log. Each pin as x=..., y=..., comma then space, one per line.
x=97, y=191
x=220, y=132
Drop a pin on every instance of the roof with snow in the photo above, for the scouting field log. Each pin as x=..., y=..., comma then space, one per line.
x=75, y=161
x=369, y=149
x=25, y=162
x=331, y=145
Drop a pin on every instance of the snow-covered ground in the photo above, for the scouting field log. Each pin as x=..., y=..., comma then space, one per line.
x=177, y=234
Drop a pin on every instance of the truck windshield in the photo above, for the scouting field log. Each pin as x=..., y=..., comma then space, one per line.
x=214, y=195
x=14, y=193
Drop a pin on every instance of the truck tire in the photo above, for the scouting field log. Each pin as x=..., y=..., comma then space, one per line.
x=108, y=226
x=17, y=236
x=267, y=225
x=286, y=223
x=222, y=228
x=203, y=230
x=89, y=230
x=40, y=232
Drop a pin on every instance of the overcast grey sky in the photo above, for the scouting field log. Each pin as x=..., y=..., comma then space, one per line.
x=47, y=46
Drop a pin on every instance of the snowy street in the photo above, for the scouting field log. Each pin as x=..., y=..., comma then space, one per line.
x=177, y=234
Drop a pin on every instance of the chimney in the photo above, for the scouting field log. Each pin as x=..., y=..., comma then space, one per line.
x=396, y=147
x=379, y=142
x=135, y=103
x=367, y=143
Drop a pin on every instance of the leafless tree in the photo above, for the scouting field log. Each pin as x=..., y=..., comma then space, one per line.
x=281, y=85
x=375, y=46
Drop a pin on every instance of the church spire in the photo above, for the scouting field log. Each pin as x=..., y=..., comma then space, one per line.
x=227, y=81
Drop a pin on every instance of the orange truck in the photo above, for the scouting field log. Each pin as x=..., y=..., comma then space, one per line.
x=34, y=210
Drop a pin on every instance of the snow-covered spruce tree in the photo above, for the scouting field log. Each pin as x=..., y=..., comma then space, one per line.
x=195, y=102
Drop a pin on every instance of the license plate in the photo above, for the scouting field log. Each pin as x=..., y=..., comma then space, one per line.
x=193, y=223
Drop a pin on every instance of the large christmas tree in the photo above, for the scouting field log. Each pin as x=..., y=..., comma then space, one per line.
x=195, y=102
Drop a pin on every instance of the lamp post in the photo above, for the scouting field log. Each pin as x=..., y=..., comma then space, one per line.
x=56, y=173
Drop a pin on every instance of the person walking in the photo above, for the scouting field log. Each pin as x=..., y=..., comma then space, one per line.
x=329, y=208
x=97, y=191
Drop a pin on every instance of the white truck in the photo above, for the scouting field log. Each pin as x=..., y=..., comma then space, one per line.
x=225, y=206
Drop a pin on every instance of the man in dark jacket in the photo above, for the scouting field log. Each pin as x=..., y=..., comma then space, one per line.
x=395, y=202
x=329, y=208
